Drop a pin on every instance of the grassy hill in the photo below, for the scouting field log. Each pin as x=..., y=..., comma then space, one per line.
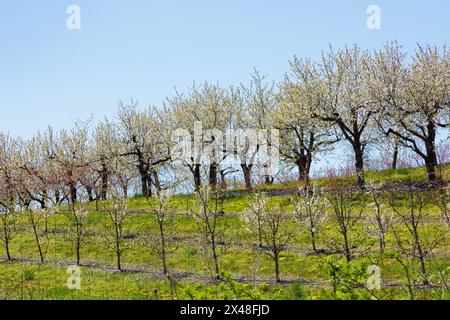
x=246, y=269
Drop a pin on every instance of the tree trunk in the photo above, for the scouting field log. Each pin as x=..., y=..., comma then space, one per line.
x=395, y=157
x=223, y=181
x=8, y=254
x=359, y=163
x=382, y=244
x=57, y=197
x=104, y=189
x=268, y=179
x=144, y=185
x=38, y=242
x=421, y=257
x=78, y=252
x=90, y=194
x=216, y=261
x=348, y=255
x=73, y=192
x=277, y=266
x=163, y=249
x=260, y=243
x=431, y=170
x=431, y=158
x=119, y=264
x=156, y=181
x=150, y=186
x=247, y=170
x=197, y=177
x=304, y=167
x=213, y=176
x=313, y=241
x=165, y=271
x=118, y=256
x=44, y=199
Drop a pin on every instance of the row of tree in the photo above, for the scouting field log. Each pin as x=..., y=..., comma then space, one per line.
x=351, y=95
x=351, y=223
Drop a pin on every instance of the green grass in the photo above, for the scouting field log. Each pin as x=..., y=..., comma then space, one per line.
x=307, y=274
x=376, y=176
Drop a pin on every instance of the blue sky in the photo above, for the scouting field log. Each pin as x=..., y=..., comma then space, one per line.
x=142, y=49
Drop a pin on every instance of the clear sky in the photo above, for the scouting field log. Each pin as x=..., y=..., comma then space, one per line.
x=142, y=49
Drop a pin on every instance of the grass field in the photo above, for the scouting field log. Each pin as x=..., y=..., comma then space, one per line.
x=246, y=271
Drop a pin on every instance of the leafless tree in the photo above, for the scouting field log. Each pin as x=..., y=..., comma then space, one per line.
x=416, y=242
x=8, y=218
x=36, y=220
x=164, y=213
x=207, y=216
x=258, y=204
x=310, y=211
x=379, y=221
x=443, y=201
x=271, y=226
x=117, y=210
x=8, y=189
x=79, y=216
x=347, y=217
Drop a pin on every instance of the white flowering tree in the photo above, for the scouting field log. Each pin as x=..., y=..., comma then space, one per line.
x=201, y=110
x=164, y=214
x=377, y=220
x=68, y=151
x=271, y=224
x=340, y=84
x=210, y=226
x=310, y=211
x=253, y=108
x=106, y=147
x=144, y=140
x=302, y=135
x=8, y=190
x=259, y=104
x=117, y=211
x=414, y=99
